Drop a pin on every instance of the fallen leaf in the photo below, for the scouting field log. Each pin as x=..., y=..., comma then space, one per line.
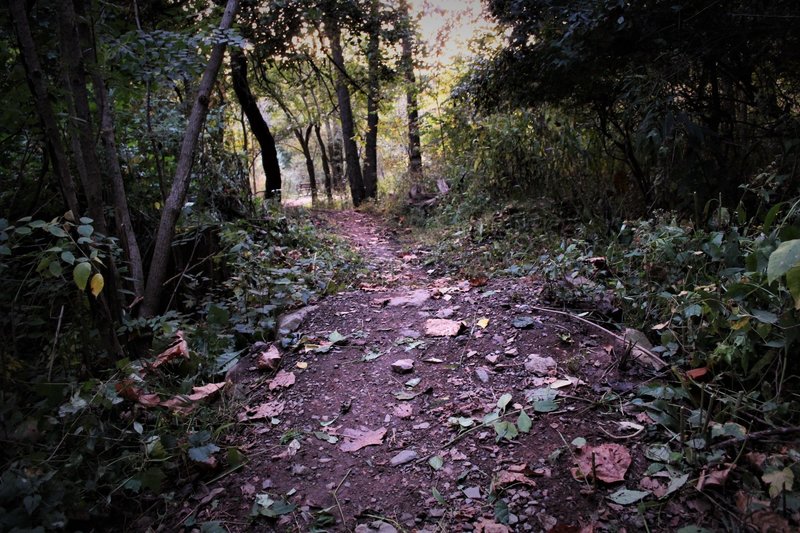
x=715, y=478
x=627, y=497
x=442, y=327
x=505, y=478
x=523, y=322
x=697, y=373
x=265, y=410
x=482, y=322
x=436, y=462
x=126, y=389
x=478, y=282
x=149, y=400
x=355, y=439
x=485, y=525
x=302, y=365
x=180, y=349
x=779, y=481
x=404, y=410
x=185, y=403
x=769, y=522
x=610, y=463
x=282, y=379
x=269, y=359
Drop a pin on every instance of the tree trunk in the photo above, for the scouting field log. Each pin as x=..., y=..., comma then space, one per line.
x=180, y=184
x=36, y=80
x=259, y=127
x=304, y=140
x=326, y=167
x=373, y=89
x=81, y=121
x=354, y=176
x=122, y=214
x=335, y=156
x=412, y=106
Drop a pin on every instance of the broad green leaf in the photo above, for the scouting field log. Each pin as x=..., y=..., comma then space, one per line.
x=503, y=401
x=97, y=284
x=627, y=497
x=693, y=529
x=55, y=268
x=524, y=422
x=336, y=338
x=371, y=355
x=505, y=430
x=201, y=454
x=501, y=511
x=81, y=275
x=785, y=257
x=793, y=284
x=676, y=484
x=465, y=421
x=438, y=496
x=327, y=437
x=545, y=406
x=5, y=250
x=491, y=417
x=152, y=479
x=68, y=257
x=56, y=231
x=779, y=481
x=85, y=230
x=578, y=442
x=436, y=462
x=765, y=316
x=86, y=220
x=22, y=230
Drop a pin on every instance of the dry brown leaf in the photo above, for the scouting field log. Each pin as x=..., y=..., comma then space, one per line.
x=506, y=478
x=185, y=403
x=442, y=327
x=404, y=410
x=769, y=522
x=203, y=392
x=126, y=389
x=715, y=478
x=269, y=359
x=698, y=373
x=149, y=400
x=355, y=439
x=610, y=463
x=178, y=350
x=282, y=379
x=265, y=410
x=484, y=525
x=648, y=483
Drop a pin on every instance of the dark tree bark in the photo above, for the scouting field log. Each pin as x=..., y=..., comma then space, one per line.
x=335, y=156
x=304, y=138
x=412, y=106
x=259, y=127
x=36, y=80
x=373, y=90
x=326, y=167
x=354, y=176
x=81, y=121
x=180, y=184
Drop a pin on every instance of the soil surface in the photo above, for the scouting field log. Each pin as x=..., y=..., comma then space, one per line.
x=377, y=417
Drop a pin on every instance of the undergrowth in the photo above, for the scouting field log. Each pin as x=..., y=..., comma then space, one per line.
x=720, y=303
x=87, y=441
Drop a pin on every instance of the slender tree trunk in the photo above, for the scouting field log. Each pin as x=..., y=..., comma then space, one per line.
x=180, y=184
x=122, y=214
x=305, y=144
x=412, y=106
x=81, y=121
x=326, y=167
x=354, y=176
x=36, y=80
x=259, y=127
x=335, y=156
x=373, y=94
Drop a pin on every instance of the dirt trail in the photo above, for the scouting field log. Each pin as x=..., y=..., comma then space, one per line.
x=427, y=461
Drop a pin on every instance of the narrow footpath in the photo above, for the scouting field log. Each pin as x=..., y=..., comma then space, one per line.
x=434, y=404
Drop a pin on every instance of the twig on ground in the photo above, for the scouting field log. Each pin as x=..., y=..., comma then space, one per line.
x=336, y=499
x=758, y=435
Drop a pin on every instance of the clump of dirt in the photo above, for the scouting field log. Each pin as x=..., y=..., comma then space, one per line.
x=421, y=404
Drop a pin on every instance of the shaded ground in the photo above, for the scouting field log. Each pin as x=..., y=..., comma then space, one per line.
x=432, y=465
